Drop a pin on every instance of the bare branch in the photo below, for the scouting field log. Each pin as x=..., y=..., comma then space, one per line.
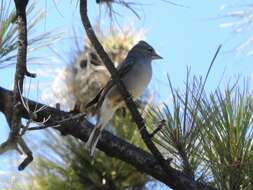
x=158, y=128
x=42, y=125
x=175, y=4
x=28, y=152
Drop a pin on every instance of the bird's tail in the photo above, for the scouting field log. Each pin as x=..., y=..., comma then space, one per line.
x=91, y=144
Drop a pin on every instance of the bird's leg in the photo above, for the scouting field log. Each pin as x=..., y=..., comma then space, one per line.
x=97, y=135
x=105, y=114
x=93, y=140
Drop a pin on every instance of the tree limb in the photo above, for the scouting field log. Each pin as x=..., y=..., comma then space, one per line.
x=125, y=94
x=14, y=118
x=110, y=144
x=20, y=67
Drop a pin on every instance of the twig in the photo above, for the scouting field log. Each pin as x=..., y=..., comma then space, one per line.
x=175, y=4
x=42, y=127
x=128, y=5
x=129, y=102
x=28, y=152
x=57, y=123
x=158, y=128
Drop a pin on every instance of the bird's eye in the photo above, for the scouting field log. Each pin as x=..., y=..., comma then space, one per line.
x=83, y=63
x=94, y=59
x=150, y=50
x=93, y=56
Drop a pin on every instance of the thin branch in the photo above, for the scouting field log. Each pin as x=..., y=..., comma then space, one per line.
x=42, y=125
x=28, y=152
x=158, y=128
x=175, y=4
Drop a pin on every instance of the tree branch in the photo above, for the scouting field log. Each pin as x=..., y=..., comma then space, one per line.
x=110, y=144
x=125, y=94
x=20, y=67
x=13, y=117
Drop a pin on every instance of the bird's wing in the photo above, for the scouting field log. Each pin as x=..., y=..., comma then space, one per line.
x=94, y=100
x=100, y=94
x=123, y=69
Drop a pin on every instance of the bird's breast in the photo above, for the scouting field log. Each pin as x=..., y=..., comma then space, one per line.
x=138, y=79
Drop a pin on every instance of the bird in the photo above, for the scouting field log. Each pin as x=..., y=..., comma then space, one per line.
x=135, y=71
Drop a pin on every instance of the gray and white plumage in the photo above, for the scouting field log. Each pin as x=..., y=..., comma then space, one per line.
x=135, y=72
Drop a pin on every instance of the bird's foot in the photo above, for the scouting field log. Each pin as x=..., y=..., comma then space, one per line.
x=76, y=109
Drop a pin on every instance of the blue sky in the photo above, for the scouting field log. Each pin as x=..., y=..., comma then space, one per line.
x=183, y=36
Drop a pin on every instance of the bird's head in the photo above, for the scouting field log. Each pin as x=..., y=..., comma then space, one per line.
x=144, y=49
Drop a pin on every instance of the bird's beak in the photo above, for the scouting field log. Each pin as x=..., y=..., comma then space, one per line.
x=156, y=56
